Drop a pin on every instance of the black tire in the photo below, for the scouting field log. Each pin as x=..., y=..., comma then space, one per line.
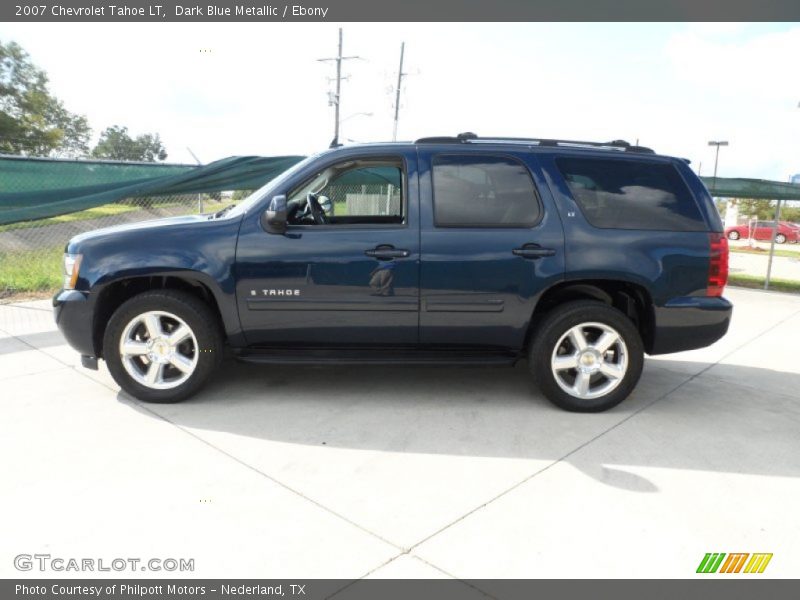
x=733, y=235
x=199, y=317
x=556, y=324
x=780, y=239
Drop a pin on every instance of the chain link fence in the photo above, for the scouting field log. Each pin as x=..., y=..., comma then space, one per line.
x=764, y=242
x=31, y=252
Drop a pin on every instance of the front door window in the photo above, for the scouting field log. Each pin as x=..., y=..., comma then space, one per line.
x=353, y=192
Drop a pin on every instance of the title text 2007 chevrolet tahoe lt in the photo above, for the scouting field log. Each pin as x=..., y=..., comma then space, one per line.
x=578, y=256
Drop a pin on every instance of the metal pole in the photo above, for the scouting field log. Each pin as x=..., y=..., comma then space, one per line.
x=772, y=244
x=337, y=98
x=716, y=161
x=199, y=196
x=338, y=87
x=716, y=143
x=397, y=97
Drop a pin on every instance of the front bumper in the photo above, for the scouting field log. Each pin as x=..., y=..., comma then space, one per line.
x=689, y=323
x=74, y=314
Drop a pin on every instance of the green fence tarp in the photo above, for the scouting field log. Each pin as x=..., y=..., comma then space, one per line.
x=38, y=188
x=751, y=189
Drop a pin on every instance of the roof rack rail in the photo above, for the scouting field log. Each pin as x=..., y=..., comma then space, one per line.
x=469, y=137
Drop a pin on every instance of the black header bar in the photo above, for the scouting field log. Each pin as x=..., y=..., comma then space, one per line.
x=338, y=11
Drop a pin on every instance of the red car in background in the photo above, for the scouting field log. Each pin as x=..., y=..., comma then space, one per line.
x=762, y=230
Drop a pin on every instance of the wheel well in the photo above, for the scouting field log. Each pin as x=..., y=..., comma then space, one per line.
x=629, y=298
x=114, y=295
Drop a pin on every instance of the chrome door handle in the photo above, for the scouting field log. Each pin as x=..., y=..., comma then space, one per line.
x=533, y=251
x=387, y=253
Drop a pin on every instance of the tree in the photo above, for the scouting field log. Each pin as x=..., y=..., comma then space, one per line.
x=117, y=144
x=33, y=122
x=764, y=210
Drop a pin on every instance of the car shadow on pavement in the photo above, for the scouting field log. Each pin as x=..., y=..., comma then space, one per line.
x=675, y=418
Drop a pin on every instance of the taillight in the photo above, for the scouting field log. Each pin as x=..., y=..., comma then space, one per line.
x=718, y=265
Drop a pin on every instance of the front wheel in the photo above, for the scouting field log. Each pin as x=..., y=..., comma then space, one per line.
x=162, y=345
x=780, y=239
x=586, y=356
x=733, y=235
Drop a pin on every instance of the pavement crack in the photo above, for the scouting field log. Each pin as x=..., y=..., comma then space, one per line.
x=26, y=307
x=260, y=472
x=413, y=556
x=144, y=407
x=603, y=433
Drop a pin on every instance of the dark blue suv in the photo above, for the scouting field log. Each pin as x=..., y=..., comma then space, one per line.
x=578, y=256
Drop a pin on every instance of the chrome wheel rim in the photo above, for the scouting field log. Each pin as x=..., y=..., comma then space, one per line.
x=589, y=361
x=158, y=350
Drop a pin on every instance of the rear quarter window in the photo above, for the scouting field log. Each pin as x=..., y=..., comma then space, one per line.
x=627, y=194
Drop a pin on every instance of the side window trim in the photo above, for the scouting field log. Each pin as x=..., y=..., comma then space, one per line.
x=536, y=195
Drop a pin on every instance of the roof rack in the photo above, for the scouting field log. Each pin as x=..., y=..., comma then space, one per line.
x=470, y=138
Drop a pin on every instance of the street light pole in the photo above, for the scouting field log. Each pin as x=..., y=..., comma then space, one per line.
x=716, y=162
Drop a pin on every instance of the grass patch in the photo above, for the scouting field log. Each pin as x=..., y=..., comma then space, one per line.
x=33, y=271
x=757, y=282
x=38, y=272
x=107, y=210
x=778, y=252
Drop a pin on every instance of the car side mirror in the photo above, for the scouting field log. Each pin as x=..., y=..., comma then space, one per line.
x=274, y=218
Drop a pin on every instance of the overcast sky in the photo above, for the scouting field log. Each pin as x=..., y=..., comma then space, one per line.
x=258, y=88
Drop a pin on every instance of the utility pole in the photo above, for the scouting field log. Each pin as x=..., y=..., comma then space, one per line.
x=399, y=85
x=337, y=98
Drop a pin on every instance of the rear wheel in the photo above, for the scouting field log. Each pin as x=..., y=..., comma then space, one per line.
x=733, y=235
x=586, y=356
x=162, y=345
x=780, y=239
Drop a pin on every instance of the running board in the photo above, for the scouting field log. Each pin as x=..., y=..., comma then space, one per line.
x=375, y=356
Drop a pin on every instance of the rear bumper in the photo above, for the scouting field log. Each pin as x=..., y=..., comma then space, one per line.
x=689, y=323
x=74, y=311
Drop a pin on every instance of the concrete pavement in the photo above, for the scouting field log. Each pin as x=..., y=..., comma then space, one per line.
x=407, y=472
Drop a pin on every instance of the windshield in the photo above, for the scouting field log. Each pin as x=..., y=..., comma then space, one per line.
x=268, y=188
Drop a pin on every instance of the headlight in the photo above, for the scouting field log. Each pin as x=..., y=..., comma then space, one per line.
x=72, y=265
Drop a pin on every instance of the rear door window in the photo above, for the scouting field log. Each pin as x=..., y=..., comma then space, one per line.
x=483, y=191
x=627, y=194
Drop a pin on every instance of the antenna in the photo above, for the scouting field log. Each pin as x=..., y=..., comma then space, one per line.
x=336, y=99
